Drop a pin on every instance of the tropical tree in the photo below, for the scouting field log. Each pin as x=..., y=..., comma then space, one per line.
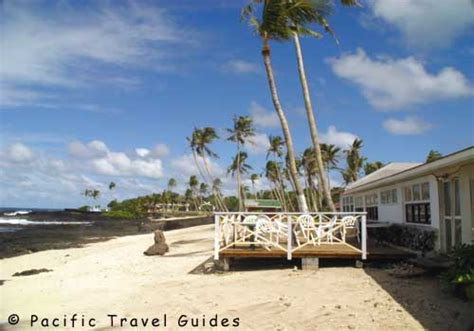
x=237, y=168
x=199, y=142
x=354, y=162
x=272, y=26
x=433, y=155
x=193, y=184
x=309, y=166
x=240, y=134
x=330, y=156
x=299, y=15
x=203, y=190
x=171, y=184
x=370, y=167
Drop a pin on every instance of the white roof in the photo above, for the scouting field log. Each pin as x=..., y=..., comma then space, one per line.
x=388, y=170
x=396, y=172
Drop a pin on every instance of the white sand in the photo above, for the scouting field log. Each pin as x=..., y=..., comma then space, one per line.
x=114, y=277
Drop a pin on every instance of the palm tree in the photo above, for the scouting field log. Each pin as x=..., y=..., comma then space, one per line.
x=354, y=162
x=330, y=154
x=238, y=167
x=193, y=185
x=171, y=184
x=203, y=190
x=200, y=141
x=299, y=14
x=370, y=167
x=239, y=134
x=272, y=173
x=272, y=26
x=253, y=179
x=308, y=163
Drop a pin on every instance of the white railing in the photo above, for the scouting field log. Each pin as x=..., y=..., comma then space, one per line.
x=288, y=232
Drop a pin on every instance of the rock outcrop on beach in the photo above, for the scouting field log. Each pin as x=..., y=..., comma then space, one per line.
x=159, y=247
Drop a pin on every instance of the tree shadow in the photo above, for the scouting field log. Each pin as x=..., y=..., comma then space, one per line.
x=424, y=300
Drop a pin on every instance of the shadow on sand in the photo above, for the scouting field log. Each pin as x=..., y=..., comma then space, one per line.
x=423, y=298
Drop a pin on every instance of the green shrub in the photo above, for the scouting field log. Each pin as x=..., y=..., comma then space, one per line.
x=120, y=214
x=412, y=237
x=459, y=278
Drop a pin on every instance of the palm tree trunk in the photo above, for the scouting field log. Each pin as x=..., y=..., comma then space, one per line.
x=239, y=185
x=219, y=200
x=312, y=123
x=303, y=207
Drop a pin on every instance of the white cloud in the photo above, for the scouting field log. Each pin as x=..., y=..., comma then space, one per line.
x=262, y=117
x=426, y=23
x=160, y=150
x=258, y=144
x=62, y=47
x=142, y=152
x=339, y=138
x=389, y=83
x=19, y=152
x=32, y=178
x=409, y=126
x=237, y=66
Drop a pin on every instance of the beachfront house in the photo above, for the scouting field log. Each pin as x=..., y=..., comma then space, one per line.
x=437, y=196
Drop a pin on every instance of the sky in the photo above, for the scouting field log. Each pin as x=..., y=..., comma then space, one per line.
x=99, y=91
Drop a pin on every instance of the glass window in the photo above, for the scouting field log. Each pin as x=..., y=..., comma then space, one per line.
x=358, y=202
x=416, y=192
x=394, y=196
x=457, y=232
x=447, y=198
x=425, y=191
x=457, y=199
x=407, y=193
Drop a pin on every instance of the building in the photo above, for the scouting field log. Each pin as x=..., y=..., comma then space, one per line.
x=439, y=195
x=262, y=205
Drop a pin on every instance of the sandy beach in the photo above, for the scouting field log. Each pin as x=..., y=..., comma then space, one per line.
x=114, y=277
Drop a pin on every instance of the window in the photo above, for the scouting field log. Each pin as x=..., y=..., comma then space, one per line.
x=418, y=213
x=358, y=202
x=425, y=191
x=348, y=204
x=389, y=197
x=372, y=213
x=407, y=193
x=371, y=199
x=417, y=203
x=457, y=198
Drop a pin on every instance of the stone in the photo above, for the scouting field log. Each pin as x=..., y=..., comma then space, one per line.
x=160, y=247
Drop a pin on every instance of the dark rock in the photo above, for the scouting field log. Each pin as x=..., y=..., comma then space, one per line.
x=160, y=247
x=156, y=249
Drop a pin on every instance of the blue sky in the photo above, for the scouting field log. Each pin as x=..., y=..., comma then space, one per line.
x=100, y=91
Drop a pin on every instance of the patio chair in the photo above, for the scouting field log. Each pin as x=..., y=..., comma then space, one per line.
x=326, y=230
x=350, y=222
x=305, y=223
x=249, y=221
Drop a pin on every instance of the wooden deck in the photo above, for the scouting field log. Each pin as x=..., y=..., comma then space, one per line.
x=329, y=251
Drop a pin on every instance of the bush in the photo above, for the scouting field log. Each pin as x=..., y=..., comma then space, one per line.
x=412, y=237
x=120, y=214
x=459, y=278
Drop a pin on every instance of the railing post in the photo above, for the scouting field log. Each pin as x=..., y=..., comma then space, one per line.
x=290, y=239
x=217, y=234
x=364, y=237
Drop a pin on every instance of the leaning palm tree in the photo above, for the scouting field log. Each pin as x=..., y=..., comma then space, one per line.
x=330, y=154
x=193, y=185
x=240, y=134
x=354, y=162
x=237, y=168
x=201, y=139
x=272, y=25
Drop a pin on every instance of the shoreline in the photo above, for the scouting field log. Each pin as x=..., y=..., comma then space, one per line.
x=96, y=228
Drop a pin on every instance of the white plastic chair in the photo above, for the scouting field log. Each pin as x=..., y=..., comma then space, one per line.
x=349, y=223
x=305, y=223
x=326, y=229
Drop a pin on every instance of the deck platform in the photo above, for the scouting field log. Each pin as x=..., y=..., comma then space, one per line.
x=334, y=251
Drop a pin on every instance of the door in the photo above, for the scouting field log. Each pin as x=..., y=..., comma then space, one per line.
x=452, y=222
